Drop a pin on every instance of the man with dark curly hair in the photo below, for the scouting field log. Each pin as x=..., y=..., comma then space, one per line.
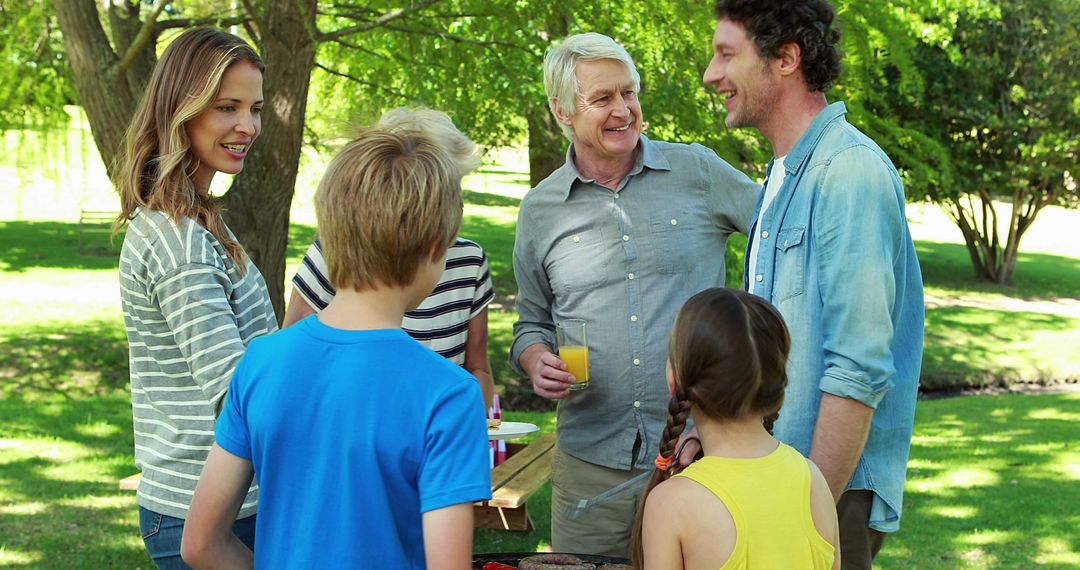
x=830, y=248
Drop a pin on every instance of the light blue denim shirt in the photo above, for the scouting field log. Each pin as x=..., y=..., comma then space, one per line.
x=624, y=261
x=836, y=258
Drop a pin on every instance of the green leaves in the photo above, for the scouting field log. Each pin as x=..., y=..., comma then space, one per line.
x=34, y=80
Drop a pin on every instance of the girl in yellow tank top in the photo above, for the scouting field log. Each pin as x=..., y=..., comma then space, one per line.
x=749, y=501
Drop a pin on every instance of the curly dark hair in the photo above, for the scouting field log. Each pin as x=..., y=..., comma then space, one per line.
x=773, y=23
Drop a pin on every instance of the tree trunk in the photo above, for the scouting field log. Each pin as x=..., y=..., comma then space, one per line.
x=956, y=212
x=108, y=98
x=257, y=205
x=990, y=260
x=547, y=145
x=124, y=24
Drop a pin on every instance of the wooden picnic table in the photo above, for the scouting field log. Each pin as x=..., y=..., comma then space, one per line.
x=527, y=468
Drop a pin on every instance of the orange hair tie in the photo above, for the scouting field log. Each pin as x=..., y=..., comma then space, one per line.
x=663, y=463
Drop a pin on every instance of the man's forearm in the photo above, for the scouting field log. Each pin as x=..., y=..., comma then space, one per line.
x=840, y=435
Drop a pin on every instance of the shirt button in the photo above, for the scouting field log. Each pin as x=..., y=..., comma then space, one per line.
x=630, y=276
x=637, y=361
x=674, y=222
x=765, y=234
x=758, y=278
x=637, y=404
x=616, y=195
x=577, y=239
x=633, y=318
x=625, y=237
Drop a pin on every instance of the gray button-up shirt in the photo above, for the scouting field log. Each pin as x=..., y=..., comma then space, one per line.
x=624, y=261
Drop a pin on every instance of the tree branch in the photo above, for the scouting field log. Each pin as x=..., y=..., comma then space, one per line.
x=492, y=44
x=380, y=21
x=256, y=24
x=368, y=83
x=146, y=32
x=192, y=22
x=395, y=58
x=354, y=13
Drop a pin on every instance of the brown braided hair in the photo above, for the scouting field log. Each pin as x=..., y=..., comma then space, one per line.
x=728, y=352
x=678, y=412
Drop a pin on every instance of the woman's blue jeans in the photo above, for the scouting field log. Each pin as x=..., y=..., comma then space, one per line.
x=161, y=534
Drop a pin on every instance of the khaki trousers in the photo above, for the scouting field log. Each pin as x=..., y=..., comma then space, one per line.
x=603, y=529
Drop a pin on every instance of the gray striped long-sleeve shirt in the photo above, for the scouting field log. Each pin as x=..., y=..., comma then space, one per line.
x=189, y=316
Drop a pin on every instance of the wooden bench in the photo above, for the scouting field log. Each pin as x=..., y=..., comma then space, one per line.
x=131, y=482
x=526, y=470
x=90, y=223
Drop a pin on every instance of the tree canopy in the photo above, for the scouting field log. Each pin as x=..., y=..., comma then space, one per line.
x=973, y=100
x=1005, y=105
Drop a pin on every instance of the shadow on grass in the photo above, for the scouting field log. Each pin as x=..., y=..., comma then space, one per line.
x=1038, y=276
x=497, y=239
x=486, y=199
x=507, y=176
x=501, y=171
x=30, y=245
x=62, y=507
x=77, y=359
x=1006, y=498
x=300, y=239
x=964, y=348
x=63, y=536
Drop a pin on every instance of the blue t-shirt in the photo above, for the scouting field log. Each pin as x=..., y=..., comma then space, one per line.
x=352, y=435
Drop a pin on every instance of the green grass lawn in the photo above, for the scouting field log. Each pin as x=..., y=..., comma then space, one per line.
x=994, y=482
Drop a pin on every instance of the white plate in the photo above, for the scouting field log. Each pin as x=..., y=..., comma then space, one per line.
x=511, y=430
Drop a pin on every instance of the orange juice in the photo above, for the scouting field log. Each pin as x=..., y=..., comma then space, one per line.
x=577, y=363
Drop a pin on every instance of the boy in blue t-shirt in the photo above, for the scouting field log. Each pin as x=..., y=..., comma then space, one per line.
x=369, y=449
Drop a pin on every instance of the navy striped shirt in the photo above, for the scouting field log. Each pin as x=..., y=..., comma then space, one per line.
x=441, y=322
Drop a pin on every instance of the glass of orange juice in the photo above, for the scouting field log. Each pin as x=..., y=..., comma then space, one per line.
x=574, y=350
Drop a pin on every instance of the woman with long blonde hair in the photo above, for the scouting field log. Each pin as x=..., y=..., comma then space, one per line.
x=192, y=299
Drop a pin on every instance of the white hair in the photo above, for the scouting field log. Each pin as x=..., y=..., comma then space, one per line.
x=560, y=69
x=438, y=126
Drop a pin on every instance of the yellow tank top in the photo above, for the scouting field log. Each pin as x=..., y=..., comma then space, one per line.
x=769, y=499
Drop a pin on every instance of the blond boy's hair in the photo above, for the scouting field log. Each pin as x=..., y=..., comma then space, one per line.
x=387, y=199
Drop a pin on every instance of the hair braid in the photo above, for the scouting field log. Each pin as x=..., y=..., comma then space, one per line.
x=678, y=411
x=770, y=420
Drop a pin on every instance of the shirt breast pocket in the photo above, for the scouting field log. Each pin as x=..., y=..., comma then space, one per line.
x=577, y=262
x=789, y=274
x=674, y=252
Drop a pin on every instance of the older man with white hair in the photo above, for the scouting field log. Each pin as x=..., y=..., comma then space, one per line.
x=620, y=236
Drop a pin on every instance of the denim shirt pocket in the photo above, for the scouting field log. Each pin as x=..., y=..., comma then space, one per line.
x=790, y=270
x=576, y=262
x=674, y=254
